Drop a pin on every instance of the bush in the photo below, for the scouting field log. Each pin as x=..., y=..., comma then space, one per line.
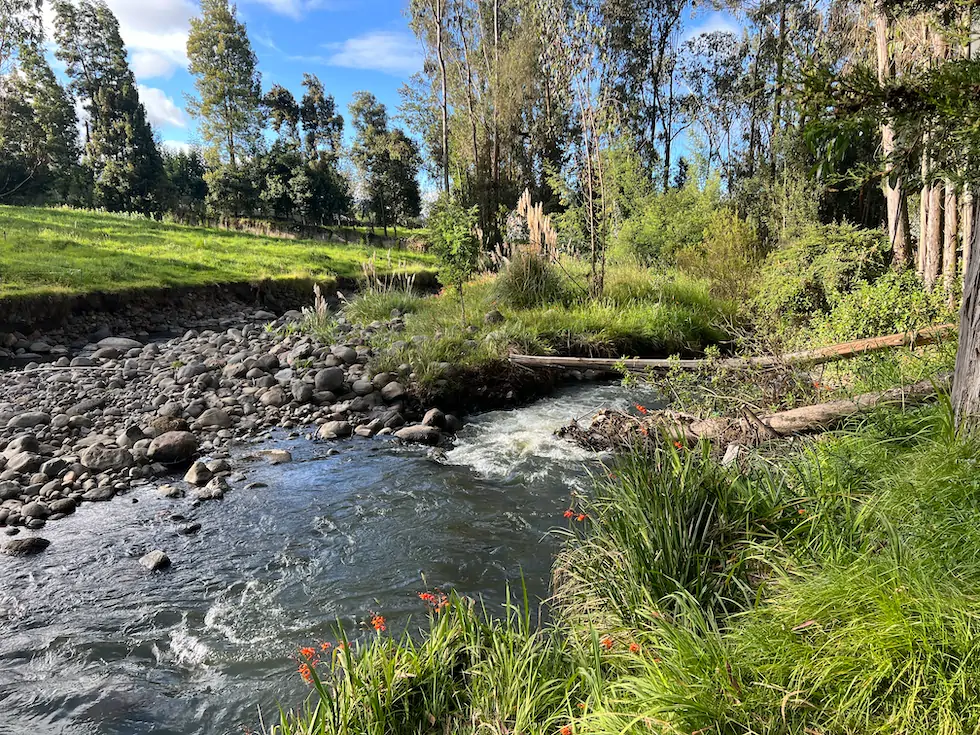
x=896, y=302
x=668, y=223
x=726, y=257
x=812, y=272
x=527, y=281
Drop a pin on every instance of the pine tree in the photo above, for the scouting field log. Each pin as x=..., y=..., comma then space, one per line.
x=125, y=163
x=228, y=104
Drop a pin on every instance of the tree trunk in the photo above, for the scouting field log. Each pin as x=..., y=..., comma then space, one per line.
x=949, y=243
x=966, y=377
x=777, y=97
x=898, y=219
x=438, y=15
x=933, y=238
x=968, y=227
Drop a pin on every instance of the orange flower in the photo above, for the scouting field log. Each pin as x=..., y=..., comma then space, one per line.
x=634, y=647
x=641, y=409
x=306, y=673
x=607, y=642
x=324, y=646
x=581, y=705
x=678, y=445
x=581, y=517
x=569, y=513
x=566, y=730
x=378, y=623
x=307, y=652
x=801, y=511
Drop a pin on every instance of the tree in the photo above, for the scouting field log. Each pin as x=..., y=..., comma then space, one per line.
x=228, y=104
x=284, y=112
x=39, y=149
x=120, y=151
x=188, y=189
x=388, y=161
x=453, y=237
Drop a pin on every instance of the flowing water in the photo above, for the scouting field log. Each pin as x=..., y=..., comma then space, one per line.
x=92, y=644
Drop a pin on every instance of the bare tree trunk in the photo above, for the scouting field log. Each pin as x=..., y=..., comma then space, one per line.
x=438, y=15
x=753, y=117
x=898, y=221
x=777, y=98
x=920, y=260
x=933, y=242
x=968, y=227
x=949, y=243
x=966, y=377
x=668, y=133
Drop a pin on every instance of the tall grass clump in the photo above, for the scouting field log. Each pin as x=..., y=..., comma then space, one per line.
x=528, y=280
x=471, y=672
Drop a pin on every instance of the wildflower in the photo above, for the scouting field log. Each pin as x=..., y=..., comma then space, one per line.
x=307, y=652
x=581, y=705
x=324, y=646
x=306, y=673
x=581, y=517
x=641, y=409
x=378, y=623
x=802, y=511
x=569, y=513
x=678, y=445
x=566, y=730
x=607, y=642
x=634, y=647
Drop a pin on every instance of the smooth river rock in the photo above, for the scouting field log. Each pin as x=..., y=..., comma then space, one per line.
x=26, y=546
x=155, y=560
x=173, y=447
x=419, y=435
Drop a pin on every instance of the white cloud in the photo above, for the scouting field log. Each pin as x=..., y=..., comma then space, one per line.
x=160, y=109
x=386, y=51
x=177, y=146
x=155, y=33
x=715, y=22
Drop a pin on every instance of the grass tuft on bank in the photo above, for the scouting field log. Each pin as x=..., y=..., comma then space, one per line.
x=834, y=590
x=641, y=312
x=48, y=251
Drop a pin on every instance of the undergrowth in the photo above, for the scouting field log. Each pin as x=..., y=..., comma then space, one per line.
x=833, y=590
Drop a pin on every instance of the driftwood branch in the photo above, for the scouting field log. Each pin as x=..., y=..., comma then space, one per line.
x=833, y=353
x=618, y=430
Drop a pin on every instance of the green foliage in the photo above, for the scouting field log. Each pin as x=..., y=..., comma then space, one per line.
x=727, y=257
x=896, y=302
x=667, y=223
x=809, y=274
x=452, y=230
x=49, y=251
x=121, y=154
x=529, y=280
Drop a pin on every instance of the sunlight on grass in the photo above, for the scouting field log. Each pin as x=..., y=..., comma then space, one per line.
x=51, y=251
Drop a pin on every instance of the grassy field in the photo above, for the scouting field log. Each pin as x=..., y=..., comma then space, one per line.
x=63, y=251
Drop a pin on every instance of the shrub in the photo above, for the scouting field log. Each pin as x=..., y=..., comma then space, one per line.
x=726, y=257
x=896, y=302
x=527, y=281
x=452, y=229
x=810, y=273
x=668, y=223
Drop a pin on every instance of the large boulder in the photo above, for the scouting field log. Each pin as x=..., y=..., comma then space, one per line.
x=334, y=430
x=392, y=391
x=419, y=435
x=26, y=546
x=100, y=458
x=173, y=447
x=29, y=419
x=214, y=418
x=330, y=378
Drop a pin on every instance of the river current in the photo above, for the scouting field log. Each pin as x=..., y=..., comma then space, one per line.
x=93, y=644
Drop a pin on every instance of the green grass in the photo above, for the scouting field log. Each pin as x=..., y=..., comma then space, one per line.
x=640, y=313
x=833, y=591
x=64, y=251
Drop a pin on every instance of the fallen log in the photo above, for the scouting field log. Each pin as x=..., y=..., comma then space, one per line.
x=832, y=353
x=613, y=430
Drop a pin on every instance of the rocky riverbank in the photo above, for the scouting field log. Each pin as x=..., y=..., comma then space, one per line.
x=122, y=412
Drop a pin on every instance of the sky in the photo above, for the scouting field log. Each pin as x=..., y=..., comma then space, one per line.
x=350, y=44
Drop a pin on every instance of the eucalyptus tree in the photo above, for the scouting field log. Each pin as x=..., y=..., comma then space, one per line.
x=120, y=151
x=227, y=105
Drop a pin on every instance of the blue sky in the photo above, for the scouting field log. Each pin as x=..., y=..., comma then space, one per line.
x=350, y=44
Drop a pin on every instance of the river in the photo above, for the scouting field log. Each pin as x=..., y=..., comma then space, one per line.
x=93, y=644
